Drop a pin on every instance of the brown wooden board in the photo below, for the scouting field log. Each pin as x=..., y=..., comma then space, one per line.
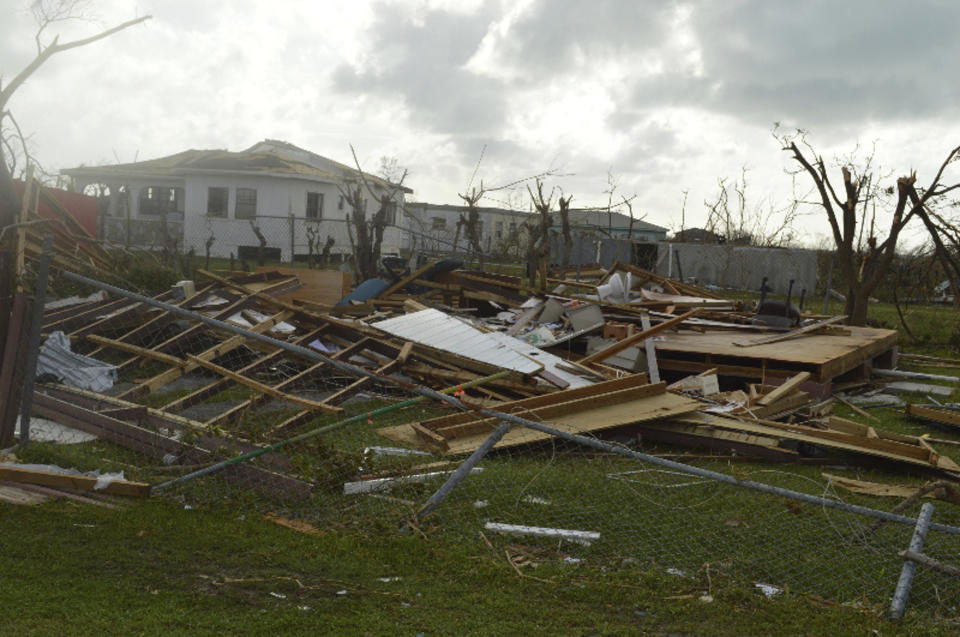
x=580, y=410
x=324, y=287
x=947, y=417
x=880, y=447
x=68, y=481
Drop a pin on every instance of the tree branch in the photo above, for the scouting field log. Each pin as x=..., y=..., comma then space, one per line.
x=55, y=47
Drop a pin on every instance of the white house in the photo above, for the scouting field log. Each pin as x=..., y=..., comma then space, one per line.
x=291, y=196
x=503, y=231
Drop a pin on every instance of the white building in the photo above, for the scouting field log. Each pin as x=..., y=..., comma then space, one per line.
x=503, y=231
x=291, y=196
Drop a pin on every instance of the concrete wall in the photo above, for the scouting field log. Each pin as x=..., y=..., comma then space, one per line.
x=741, y=267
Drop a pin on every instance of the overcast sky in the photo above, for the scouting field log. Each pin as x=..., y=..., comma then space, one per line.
x=668, y=97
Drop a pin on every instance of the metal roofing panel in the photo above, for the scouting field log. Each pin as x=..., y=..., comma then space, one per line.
x=436, y=329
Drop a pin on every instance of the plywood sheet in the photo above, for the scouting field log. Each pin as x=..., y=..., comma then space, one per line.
x=325, y=287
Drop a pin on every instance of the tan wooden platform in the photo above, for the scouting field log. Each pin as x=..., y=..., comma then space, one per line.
x=825, y=356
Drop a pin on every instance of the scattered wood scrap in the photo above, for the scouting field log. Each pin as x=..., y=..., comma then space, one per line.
x=939, y=415
x=841, y=436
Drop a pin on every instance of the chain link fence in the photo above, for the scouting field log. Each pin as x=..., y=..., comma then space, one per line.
x=258, y=240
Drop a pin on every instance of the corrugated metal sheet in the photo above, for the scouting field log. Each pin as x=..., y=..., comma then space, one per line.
x=549, y=361
x=436, y=329
x=74, y=369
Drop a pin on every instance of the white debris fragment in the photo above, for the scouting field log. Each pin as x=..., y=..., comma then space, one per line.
x=581, y=537
x=769, y=590
x=104, y=480
x=43, y=430
x=394, y=451
x=382, y=484
x=532, y=499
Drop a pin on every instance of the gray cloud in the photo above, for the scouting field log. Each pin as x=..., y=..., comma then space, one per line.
x=818, y=63
x=557, y=35
x=422, y=62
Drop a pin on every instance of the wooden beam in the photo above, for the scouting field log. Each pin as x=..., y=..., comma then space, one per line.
x=785, y=389
x=68, y=481
x=133, y=349
x=637, y=338
x=792, y=333
x=216, y=351
x=402, y=282
x=262, y=388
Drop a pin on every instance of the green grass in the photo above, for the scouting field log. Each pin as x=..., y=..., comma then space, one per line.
x=156, y=568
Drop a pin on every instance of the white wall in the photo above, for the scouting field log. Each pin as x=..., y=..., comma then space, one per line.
x=277, y=199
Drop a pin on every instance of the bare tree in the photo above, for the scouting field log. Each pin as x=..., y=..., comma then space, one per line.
x=564, y=211
x=538, y=236
x=738, y=222
x=471, y=223
x=863, y=258
x=366, y=235
x=47, y=13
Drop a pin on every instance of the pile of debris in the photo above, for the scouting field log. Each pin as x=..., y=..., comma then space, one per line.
x=594, y=354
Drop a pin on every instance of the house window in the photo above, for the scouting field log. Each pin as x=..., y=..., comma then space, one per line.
x=439, y=224
x=498, y=229
x=314, y=205
x=513, y=228
x=160, y=200
x=246, y=203
x=340, y=203
x=217, y=197
x=392, y=213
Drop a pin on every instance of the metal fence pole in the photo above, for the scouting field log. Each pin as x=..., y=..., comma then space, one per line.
x=33, y=349
x=293, y=235
x=462, y=471
x=826, y=294
x=905, y=583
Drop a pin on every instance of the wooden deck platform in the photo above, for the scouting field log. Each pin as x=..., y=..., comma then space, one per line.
x=825, y=356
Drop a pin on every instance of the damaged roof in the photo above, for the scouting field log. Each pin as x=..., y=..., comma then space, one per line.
x=270, y=157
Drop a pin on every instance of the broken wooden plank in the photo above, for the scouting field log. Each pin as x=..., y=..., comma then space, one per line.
x=775, y=338
x=785, y=389
x=70, y=481
x=886, y=445
x=943, y=416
